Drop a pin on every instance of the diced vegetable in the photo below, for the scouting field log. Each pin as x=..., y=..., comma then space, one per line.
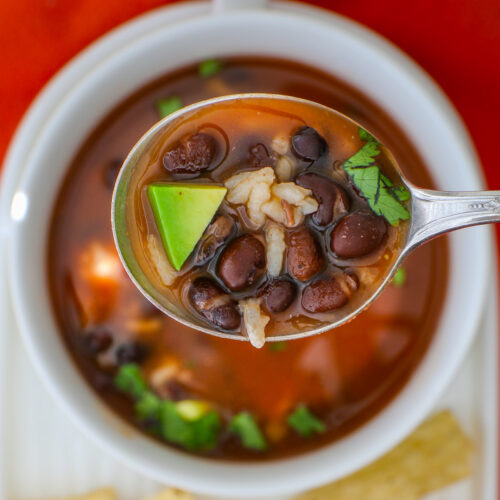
x=209, y=67
x=189, y=423
x=244, y=425
x=129, y=380
x=304, y=422
x=399, y=277
x=182, y=213
x=147, y=407
x=165, y=107
x=199, y=434
x=190, y=409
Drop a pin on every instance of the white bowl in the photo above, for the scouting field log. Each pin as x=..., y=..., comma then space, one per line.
x=150, y=46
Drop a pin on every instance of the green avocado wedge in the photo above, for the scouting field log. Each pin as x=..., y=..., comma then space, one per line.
x=182, y=213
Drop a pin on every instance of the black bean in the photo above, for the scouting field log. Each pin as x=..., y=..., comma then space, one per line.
x=260, y=157
x=210, y=300
x=242, y=262
x=323, y=295
x=304, y=257
x=110, y=172
x=131, y=352
x=308, y=144
x=332, y=198
x=97, y=339
x=279, y=294
x=191, y=155
x=216, y=234
x=358, y=234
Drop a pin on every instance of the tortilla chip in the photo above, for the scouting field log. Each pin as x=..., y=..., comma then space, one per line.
x=101, y=494
x=171, y=494
x=435, y=455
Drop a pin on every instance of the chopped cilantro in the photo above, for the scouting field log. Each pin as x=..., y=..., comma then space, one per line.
x=164, y=107
x=189, y=423
x=244, y=425
x=147, y=407
x=277, y=346
x=199, y=434
x=209, y=67
x=399, y=277
x=129, y=380
x=206, y=430
x=304, y=422
x=384, y=198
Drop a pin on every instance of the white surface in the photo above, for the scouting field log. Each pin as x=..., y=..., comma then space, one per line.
x=25, y=413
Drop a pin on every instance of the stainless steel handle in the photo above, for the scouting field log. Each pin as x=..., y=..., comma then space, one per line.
x=438, y=212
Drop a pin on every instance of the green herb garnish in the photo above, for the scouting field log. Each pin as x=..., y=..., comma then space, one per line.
x=399, y=277
x=199, y=434
x=277, y=346
x=189, y=423
x=304, y=422
x=244, y=425
x=147, y=407
x=383, y=197
x=129, y=380
x=209, y=67
x=164, y=107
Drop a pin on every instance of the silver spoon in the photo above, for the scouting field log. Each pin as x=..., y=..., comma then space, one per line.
x=432, y=213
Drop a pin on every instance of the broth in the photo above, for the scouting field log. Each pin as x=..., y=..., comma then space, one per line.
x=343, y=377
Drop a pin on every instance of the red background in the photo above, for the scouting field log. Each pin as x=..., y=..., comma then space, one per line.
x=457, y=42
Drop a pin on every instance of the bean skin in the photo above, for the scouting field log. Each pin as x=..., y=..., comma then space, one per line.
x=242, y=262
x=358, y=234
x=279, y=295
x=308, y=145
x=304, y=257
x=97, y=340
x=323, y=295
x=210, y=300
x=332, y=198
x=131, y=352
x=191, y=155
x=216, y=234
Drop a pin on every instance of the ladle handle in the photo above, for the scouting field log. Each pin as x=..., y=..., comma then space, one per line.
x=438, y=212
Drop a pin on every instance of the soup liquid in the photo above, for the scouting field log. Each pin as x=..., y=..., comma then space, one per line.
x=345, y=376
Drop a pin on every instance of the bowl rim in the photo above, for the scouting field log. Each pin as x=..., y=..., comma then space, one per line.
x=440, y=101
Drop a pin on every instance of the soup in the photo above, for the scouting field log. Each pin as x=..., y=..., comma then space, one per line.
x=268, y=215
x=217, y=397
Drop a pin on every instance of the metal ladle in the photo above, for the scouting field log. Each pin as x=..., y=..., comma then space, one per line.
x=432, y=213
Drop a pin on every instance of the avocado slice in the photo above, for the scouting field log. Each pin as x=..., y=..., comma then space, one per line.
x=182, y=213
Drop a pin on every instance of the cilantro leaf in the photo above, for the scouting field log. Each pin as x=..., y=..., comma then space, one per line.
x=206, y=430
x=129, y=379
x=304, y=422
x=209, y=67
x=383, y=197
x=364, y=135
x=244, y=425
x=174, y=428
x=147, y=407
x=200, y=434
x=401, y=193
x=364, y=157
x=399, y=277
x=164, y=107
